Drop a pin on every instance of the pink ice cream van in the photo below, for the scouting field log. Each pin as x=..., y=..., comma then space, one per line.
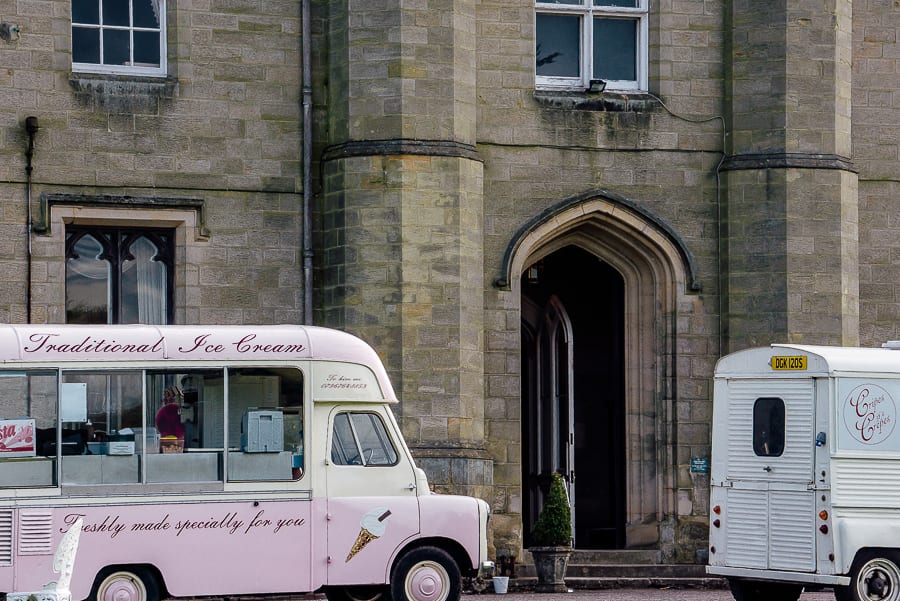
x=218, y=460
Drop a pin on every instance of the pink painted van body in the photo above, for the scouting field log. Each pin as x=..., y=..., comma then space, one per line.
x=230, y=538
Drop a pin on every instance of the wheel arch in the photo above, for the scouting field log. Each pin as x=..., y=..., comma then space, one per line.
x=859, y=535
x=452, y=547
x=864, y=566
x=148, y=568
x=872, y=551
x=864, y=553
x=157, y=575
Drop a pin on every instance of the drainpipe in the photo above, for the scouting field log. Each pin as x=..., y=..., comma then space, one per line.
x=307, y=165
x=31, y=126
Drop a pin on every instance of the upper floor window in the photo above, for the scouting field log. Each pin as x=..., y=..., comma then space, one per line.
x=125, y=37
x=119, y=275
x=579, y=41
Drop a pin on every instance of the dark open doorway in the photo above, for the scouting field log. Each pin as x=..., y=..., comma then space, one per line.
x=573, y=406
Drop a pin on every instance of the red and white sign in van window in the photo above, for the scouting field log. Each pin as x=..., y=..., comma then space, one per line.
x=17, y=438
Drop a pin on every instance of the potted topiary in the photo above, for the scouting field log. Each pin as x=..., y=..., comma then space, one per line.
x=553, y=536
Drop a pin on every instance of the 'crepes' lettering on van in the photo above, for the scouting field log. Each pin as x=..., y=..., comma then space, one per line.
x=44, y=343
x=870, y=414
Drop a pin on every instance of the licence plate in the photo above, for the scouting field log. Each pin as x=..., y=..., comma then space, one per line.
x=781, y=362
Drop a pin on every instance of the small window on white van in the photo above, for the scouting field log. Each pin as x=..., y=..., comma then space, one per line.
x=361, y=439
x=768, y=427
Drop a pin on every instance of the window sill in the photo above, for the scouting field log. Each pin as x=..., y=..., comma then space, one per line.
x=611, y=102
x=123, y=91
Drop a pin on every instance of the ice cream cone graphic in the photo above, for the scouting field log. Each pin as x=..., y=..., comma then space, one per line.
x=371, y=526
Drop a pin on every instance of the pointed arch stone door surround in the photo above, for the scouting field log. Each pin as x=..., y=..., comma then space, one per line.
x=658, y=272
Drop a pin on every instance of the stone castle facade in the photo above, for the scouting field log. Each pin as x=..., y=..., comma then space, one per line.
x=549, y=274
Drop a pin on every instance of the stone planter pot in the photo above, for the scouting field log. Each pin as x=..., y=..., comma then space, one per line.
x=550, y=564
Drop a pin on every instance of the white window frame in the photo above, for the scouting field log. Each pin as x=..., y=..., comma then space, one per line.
x=588, y=13
x=159, y=71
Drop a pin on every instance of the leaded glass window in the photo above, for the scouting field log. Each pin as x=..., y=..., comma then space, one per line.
x=119, y=275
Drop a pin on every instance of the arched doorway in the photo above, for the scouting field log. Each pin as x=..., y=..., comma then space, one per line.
x=618, y=274
x=573, y=405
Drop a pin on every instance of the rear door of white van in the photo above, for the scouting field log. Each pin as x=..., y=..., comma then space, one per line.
x=769, y=492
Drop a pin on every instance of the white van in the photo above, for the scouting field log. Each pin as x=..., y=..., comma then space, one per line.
x=217, y=461
x=805, y=478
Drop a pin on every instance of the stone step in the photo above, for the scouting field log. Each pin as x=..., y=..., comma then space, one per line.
x=615, y=556
x=604, y=569
x=593, y=570
x=528, y=583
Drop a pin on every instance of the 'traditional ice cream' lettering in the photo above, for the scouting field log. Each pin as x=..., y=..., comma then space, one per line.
x=44, y=343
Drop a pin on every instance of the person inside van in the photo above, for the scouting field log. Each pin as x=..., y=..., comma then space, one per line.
x=168, y=418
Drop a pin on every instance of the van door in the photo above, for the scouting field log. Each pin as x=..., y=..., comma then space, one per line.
x=371, y=489
x=770, y=496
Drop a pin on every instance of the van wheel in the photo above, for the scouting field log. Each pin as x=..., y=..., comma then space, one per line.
x=755, y=590
x=357, y=593
x=426, y=574
x=875, y=577
x=125, y=584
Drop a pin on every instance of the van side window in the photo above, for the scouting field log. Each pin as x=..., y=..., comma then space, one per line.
x=28, y=429
x=265, y=423
x=184, y=425
x=159, y=426
x=361, y=439
x=98, y=434
x=768, y=427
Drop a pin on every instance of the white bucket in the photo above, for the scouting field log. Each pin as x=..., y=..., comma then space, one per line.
x=501, y=583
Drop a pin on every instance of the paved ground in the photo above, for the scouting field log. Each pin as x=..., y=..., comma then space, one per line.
x=633, y=594
x=612, y=594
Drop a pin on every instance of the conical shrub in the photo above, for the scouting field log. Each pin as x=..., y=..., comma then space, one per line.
x=554, y=524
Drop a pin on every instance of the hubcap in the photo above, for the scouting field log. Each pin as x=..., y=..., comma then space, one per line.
x=877, y=584
x=878, y=581
x=427, y=581
x=122, y=586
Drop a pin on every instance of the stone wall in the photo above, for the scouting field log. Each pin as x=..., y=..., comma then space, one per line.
x=876, y=153
x=401, y=217
x=541, y=148
x=224, y=129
